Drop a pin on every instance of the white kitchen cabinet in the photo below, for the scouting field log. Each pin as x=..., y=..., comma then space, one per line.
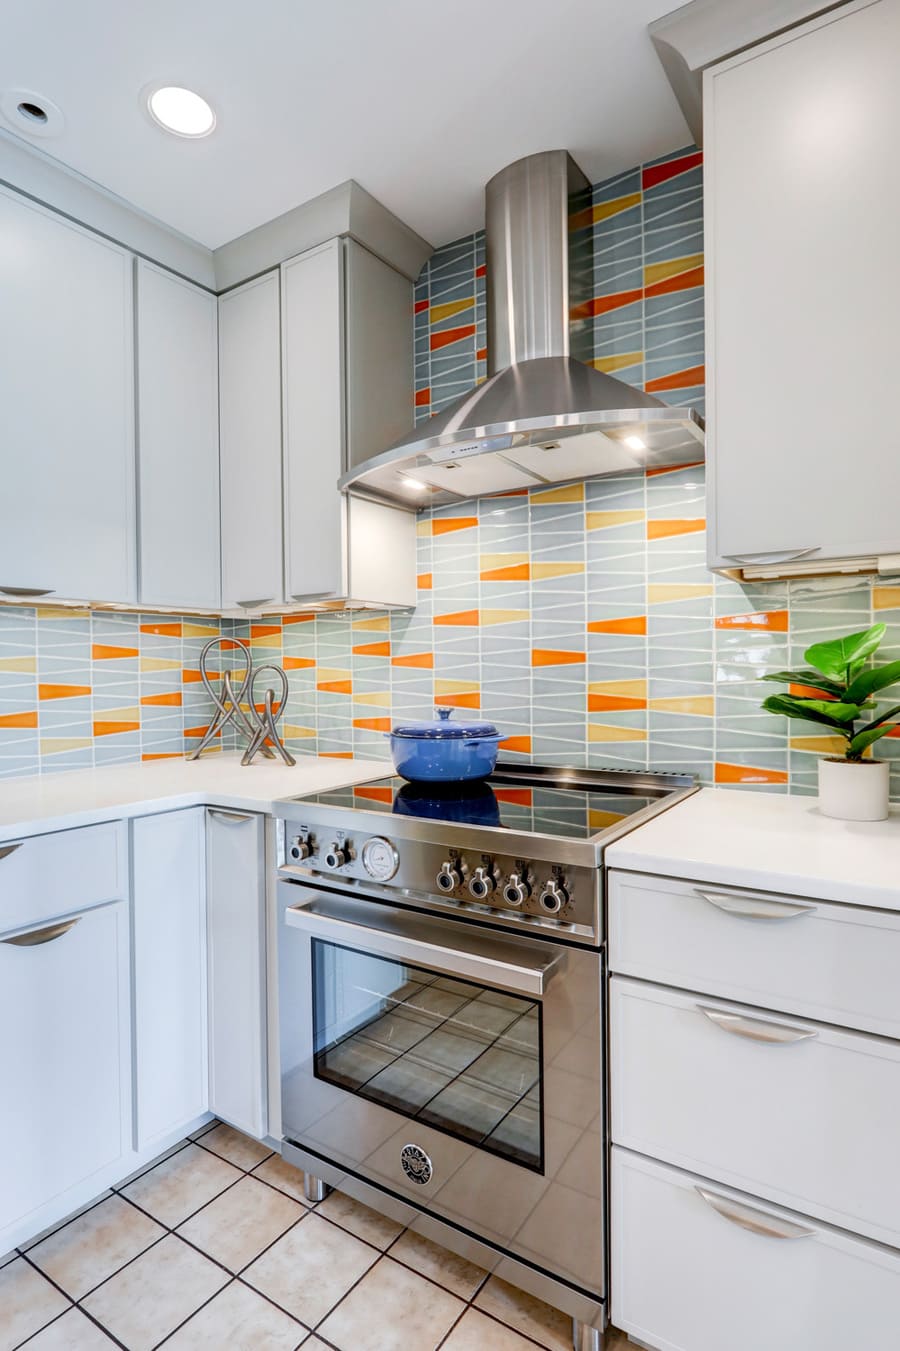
x=65, y=1063
x=324, y=300
x=169, y=867
x=250, y=444
x=236, y=925
x=700, y=1267
x=178, y=441
x=802, y=196
x=66, y=392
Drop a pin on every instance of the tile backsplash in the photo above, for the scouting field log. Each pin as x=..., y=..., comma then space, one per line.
x=580, y=618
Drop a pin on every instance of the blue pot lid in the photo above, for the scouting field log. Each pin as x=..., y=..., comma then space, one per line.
x=444, y=728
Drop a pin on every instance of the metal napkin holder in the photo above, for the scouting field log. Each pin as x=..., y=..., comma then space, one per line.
x=237, y=708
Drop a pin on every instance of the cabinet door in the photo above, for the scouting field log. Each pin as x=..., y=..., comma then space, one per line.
x=236, y=922
x=168, y=862
x=380, y=394
x=178, y=441
x=64, y=1057
x=67, y=400
x=250, y=443
x=803, y=290
x=313, y=393
x=382, y=553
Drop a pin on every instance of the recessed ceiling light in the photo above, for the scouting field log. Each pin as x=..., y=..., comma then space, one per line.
x=31, y=114
x=634, y=443
x=181, y=111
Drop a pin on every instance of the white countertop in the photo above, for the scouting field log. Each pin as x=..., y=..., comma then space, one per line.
x=36, y=804
x=771, y=843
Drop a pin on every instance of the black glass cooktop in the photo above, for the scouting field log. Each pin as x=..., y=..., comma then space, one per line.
x=515, y=802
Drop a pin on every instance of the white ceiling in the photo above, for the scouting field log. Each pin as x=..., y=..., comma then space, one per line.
x=419, y=102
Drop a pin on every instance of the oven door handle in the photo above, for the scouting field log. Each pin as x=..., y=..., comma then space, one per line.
x=500, y=965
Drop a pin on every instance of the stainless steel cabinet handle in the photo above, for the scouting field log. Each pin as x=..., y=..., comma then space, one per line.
x=7, y=849
x=756, y=1029
x=748, y=1217
x=773, y=555
x=25, y=591
x=252, y=604
x=33, y=937
x=234, y=818
x=755, y=907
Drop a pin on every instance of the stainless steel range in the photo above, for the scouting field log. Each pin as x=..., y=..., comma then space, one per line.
x=442, y=1010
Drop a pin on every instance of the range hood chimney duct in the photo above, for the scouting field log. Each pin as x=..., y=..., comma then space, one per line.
x=544, y=415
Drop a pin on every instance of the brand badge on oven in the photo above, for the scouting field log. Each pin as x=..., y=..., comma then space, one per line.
x=416, y=1164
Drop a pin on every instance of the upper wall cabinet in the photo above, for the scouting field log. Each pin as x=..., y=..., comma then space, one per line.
x=178, y=441
x=803, y=293
x=250, y=440
x=66, y=394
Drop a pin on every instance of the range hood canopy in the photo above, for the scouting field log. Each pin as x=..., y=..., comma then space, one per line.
x=543, y=416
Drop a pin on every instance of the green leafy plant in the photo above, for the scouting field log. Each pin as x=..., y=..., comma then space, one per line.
x=839, y=671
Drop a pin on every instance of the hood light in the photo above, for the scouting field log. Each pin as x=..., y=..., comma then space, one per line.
x=415, y=485
x=181, y=111
x=634, y=443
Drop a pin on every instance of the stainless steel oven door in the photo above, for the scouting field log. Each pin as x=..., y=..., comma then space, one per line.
x=461, y=1069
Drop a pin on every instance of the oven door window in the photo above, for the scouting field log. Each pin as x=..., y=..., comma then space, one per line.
x=457, y=1056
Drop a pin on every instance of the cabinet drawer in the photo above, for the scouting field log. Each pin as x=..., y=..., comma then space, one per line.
x=48, y=875
x=837, y=963
x=688, y=1275
x=801, y=1113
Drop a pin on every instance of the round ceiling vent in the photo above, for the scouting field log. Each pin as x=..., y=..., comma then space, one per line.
x=31, y=114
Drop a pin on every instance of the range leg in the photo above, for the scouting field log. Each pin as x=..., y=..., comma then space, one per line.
x=314, y=1189
x=586, y=1338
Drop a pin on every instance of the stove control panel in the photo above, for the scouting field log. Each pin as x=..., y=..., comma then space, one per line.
x=472, y=883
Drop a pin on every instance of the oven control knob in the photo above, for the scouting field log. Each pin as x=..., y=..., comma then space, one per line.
x=553, y=897
x=517, y=891
x=379, y=858
x=337, y=855
x=450, y=877
x=481, y=883
x=300, y=848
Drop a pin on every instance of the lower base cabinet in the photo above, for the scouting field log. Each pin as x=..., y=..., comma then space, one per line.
x=236, y=892
x=170, y=1014
x=65, y=1062
x=700, y=1267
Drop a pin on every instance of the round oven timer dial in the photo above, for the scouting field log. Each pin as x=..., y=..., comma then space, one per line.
x=379, y=858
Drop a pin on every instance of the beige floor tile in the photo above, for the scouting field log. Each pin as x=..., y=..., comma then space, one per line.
x=27, y=1302
x=308, y=1270
x=526, y=1314
x=428, y=1259
x=73, y=1332
x=392, y=1309
x=181, y=1184
x=240, y=1320
x=282, y=1175
x=476, y=1332
x=201, y=1130
x=8, y=1257
x=154, y=1294
x=359, y=1219
x=146, y=1167
x=52, y=1228
x=94, y=1246
x=239, y=1224
x=237, y=1148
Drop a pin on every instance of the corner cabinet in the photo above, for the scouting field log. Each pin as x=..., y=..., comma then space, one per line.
x=803, y=290
x=67, y=399
x=178, y=441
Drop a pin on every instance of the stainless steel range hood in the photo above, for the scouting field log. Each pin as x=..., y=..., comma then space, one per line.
x=543, y=416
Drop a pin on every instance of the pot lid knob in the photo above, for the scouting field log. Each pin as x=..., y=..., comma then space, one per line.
x=443, y=712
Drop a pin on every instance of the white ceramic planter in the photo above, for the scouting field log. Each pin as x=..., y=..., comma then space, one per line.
x=854, y=790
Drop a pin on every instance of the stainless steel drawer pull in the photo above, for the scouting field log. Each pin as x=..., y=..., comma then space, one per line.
x=773, y=555
x=755, y=907
x=748, y=1217
x=756, y=1029
x=34, y=937
x=234, y=818
x=7, y=849
x=25, y=591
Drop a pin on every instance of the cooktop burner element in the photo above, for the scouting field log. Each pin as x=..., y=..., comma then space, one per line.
x=523, y=847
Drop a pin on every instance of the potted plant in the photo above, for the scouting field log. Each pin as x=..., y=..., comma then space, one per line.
x=838, y=686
